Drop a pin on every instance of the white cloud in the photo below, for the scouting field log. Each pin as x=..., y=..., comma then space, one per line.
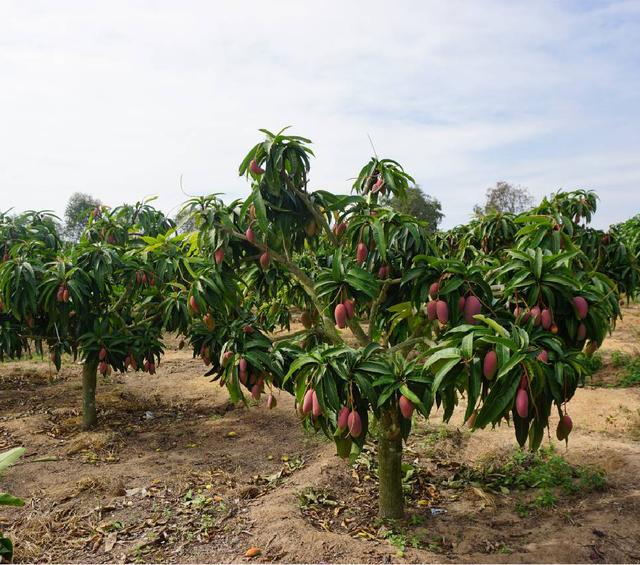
x=120, y=98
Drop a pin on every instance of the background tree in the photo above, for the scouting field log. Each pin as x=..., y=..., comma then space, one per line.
x=76, y=214
x=505, y=197
x=418, y=204
x=106, y=299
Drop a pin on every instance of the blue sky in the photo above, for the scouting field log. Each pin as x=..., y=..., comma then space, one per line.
x=119, y=99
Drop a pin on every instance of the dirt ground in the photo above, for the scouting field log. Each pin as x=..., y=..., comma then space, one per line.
x=174, y=473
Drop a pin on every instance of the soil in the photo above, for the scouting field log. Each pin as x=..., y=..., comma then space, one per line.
x=175, y=473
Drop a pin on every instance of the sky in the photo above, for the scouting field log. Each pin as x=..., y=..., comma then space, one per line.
x=123, y=99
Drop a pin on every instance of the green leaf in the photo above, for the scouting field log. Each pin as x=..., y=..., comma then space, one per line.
x=378, y=236
x=8, y=500
x=261, y=211
x=443, y=371
x=466, y=347
x=10, y=457
x=498, y=399
x=492, y=324
x=447, y=353
x=406, y=391
x=509, y=365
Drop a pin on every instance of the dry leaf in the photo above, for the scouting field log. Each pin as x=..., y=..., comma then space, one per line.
x=110, y=541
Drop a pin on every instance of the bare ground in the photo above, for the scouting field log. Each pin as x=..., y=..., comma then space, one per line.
x=174, y=473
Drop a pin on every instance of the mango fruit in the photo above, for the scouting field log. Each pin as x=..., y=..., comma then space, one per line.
x=472, y=307
x=432, y=310
x=339, y=229
x=565, y=425
x=355, y=424
x=535, y=314
x=316, y=409
x=193, y=304
x=522, y=403
x=442, y=311
x=361, y=253
x=255, y=168
x=226, y=358
x=340, y=314
x=406, y=407
x=349, y=306
x=307, y=402
x=490, y=364
x=343, y=418
x=582, y=332
x=581, y=306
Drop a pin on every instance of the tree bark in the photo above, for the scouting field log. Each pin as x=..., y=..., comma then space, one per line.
x=89, y=378
x=391, y=496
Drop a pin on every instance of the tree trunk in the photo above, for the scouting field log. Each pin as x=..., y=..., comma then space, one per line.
x=391, y=497
x=89, y=378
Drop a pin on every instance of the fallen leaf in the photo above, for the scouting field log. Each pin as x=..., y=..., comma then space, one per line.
x=110, y=541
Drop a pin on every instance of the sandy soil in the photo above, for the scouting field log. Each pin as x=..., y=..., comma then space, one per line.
x=174, y=473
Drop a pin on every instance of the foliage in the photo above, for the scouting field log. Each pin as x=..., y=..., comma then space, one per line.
x=77, y=213
x=423, y=311
x=419, y=205
x=624, y=240
x=506, y=198
x=6, y=459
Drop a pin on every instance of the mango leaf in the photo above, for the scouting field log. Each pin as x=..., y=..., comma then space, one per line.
x=498, y=399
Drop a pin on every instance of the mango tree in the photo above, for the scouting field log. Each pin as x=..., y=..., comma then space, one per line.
x=395, y=320
x=107, y=299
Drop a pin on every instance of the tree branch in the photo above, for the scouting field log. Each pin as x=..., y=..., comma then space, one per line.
x=289, y=335
x=358, y=332
x=306, y=282
x=376, y=303
x=319, y=218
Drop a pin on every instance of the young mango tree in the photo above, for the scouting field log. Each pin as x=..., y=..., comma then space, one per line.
x=106, y=300
x=395, y=320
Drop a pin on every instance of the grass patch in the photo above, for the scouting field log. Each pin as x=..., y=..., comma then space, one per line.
x=631, y=366
x=544, y=472
x=628, y=364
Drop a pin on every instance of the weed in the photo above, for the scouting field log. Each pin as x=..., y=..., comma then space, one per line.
x=619, y=359
x=632, y=372
x=397, y=540
x=546, y=471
